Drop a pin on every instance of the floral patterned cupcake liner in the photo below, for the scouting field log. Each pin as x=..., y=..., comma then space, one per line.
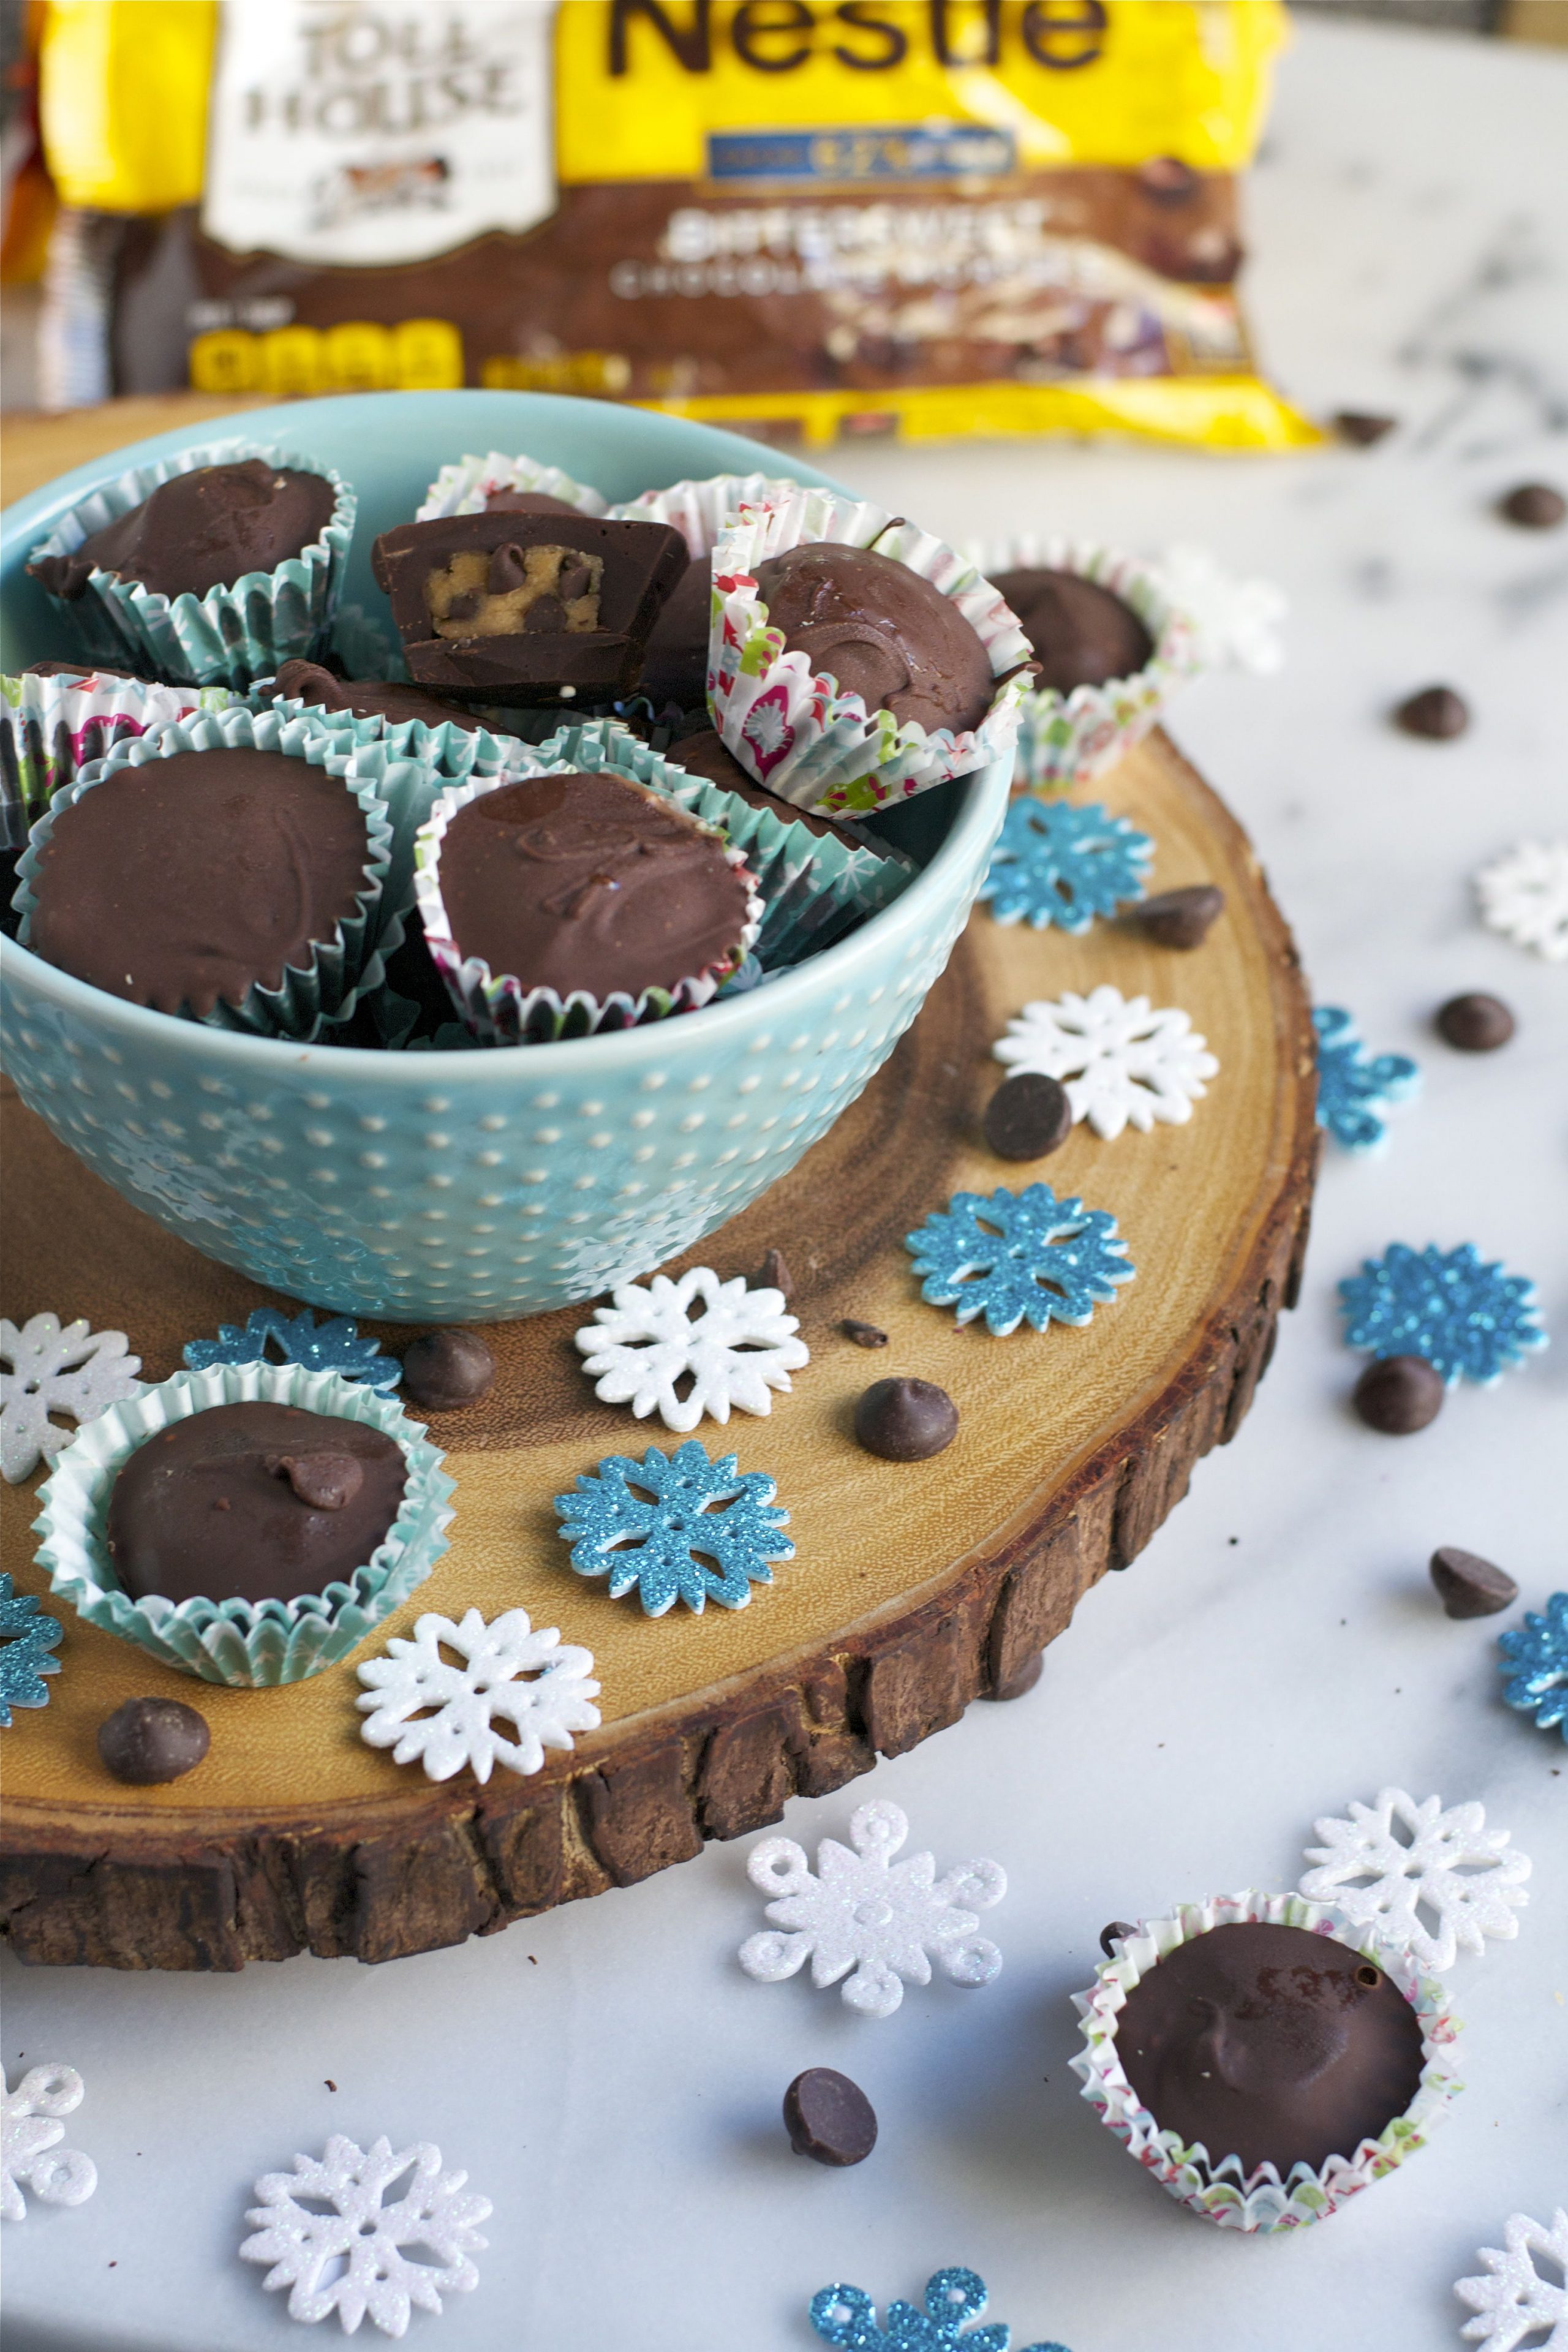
x=794, y=732
x=232, y=634
x=51, y=727
x=464, y=488
x=249, y=1645
x=1219, y=2192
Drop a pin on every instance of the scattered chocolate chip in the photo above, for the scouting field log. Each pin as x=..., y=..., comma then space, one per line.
x=443, y=1369
x=1475, y=1023
x=1180, y=919
x=864, y=1334
x=1399, y=1395
x=1534, y=505
x=828, y=2118
x=1469, y=1586
x=1020, y=1685
x=325, y=1482
x=329, y=2082
x=147, y=1741
x=1437, y=713
x=905, y=1420
x=1028, y=1116
x=1360, y=427
x=774, y=1274
x=1166, y=180
x=1116, y=1933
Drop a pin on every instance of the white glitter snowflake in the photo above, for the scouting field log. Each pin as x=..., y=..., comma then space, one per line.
x=1525, y=896
x=359, y=2238
x=53, y=1370
x=1232, y=621
x=1448, y=1862
x=864, y=1911
x=735, y=1350
x=420, y=1703
x=32, y=2157
x=1119, y=1060
x=1514, y=2301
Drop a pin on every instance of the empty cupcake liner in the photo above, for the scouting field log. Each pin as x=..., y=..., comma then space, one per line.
x=340, y=967
x=794, y=731
x=497, y=1007
x=1067, y=739
x=1219, y=2192
x=51, y=727
x=701, y=510
x=248, y=1644
x=464, y=488
x=231, y=634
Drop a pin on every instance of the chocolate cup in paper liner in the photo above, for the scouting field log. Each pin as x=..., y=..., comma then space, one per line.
x=465, y=488
x=50, y=728
x=794, y=731
x=700, y=511
x=452, y=751
x=231, y=634
x=248, y=1644
x=341, y=969
x=1215, y=2188
x=500, y=1008
x=812, y=888
x=1067, y=739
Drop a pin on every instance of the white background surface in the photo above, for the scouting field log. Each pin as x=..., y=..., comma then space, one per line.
x=606, y=2075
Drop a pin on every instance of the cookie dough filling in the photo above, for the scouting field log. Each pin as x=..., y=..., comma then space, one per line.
x=513, y=589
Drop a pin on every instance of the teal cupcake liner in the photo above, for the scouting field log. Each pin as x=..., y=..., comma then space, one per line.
x=453, y=753
x=342, y=968
x=248, y=1645
x=233, y=633
x=50, y=728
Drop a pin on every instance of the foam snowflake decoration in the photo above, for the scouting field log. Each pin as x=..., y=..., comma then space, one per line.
x=26, y=1637
x=1515, y=2302
x=735, y=1350
x=31, y=2156
x=420, y=1704
x=1120, y=1062
x=1535, y=1659
x=55, y=1368
x=334, y=1346
x=681, y=1528
x=1462, y=1314
x=846, y=2317
x=1355, y=1087
x=1057, y=863
x=1019, y=1257
x=1234, y=622
x=1525, y=896
x=862, y=1911
x=1448, y=1862
x=337, y=2244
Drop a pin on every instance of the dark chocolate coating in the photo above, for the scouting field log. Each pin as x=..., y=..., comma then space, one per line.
x=905, y=1419
x=206, y=1509
x=1082, y=634
x=707, y=755
x=1469, y=1586
x=675, y=666
x=202, y=530
x=828, y=2118
x=186, y=880
x=149, y=1740
x=1437, y=713
x=1180, y=919
x=1534, y=505
x=586, y=881
x=369, y=697
x=444, y=1369
x=1475, y=1023
x=882, y=631
x=1271, y=2044
x=528, y=503
x=80, y=669
x=1399, y=1395
x=1028, y=1116
x=863, y=1335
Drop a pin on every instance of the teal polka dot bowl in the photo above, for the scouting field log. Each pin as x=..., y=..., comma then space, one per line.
x=472, y=1187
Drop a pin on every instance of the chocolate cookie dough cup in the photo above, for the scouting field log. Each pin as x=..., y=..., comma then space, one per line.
x=51, y=727
x=794, y=732
x=448, y=750
x=1260, y=2202
x=467, y=486
x=702, y=510
x=233, y=633
x=249, y=1645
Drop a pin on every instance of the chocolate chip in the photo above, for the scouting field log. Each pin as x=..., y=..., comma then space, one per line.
x=1399, y=1395
x=1436, y=713
x=774, y=1274
x=864, y=1335
x=905, y=1420
x=1166, y=180
x=1116, y=1933
x=1534, y=505
x=1028, y=1116
x=1469, y=1586
x=508, y=569
x=148, y=1740
x=1020, y=1685
x=1180, y=919
x=1360, y=427
x=828, y=2118
x=544, y=612
x=463, y=608
x=574, y=580
x=323, y=1482
x=443, y=1369
x=1475, y=1023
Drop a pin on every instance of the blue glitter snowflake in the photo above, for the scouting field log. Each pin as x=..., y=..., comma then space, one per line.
x=1355, y=1087
x=1537, y=1660
x=1466, y=1318
x=26, y=1637
x=846, y=2317
x=1019, y=1257
x=334, y=1346
x=681, y=1528
x=1057, y=864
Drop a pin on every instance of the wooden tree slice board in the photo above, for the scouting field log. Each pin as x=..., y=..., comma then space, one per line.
x=914, y=1587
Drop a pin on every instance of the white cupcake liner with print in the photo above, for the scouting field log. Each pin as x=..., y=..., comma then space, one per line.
x=51, y=727
x=702, y=510
x=233, y=633
x=794, y=731
x=498, y=1008
x=464, y=488
x=341, y=969
x=1067, y=739
x=248, y=1644
x=1219, y=2190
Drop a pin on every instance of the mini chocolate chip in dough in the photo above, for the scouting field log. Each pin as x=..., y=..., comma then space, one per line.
x=1438, y=714
x=1029, y=1116
x=905, y=1419
x=1469, y=1586
x=149, y=1740
x=1020, y=1685
x=1534, y=505
x=1475, y=1023
x=828, y=2118
x=444, y=1369
x=864, y=1334
x=508, y=569
x=1179, y=919
x=1360, y=427
x=1399, y=1395
x=1117, y=1931
x=773, y=1274
x=324, y=1482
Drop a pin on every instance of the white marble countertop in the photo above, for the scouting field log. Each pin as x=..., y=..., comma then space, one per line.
x=606, y=2075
